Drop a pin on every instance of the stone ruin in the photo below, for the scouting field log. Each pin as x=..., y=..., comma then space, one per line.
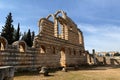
x=6, y=73
x=103, y=58
x=59, y=43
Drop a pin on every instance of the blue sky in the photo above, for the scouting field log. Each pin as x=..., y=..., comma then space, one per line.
x=98, y=19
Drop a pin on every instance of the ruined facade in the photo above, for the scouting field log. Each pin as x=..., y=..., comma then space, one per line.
x=58, y=43
x=103, y=58
x=60, y=37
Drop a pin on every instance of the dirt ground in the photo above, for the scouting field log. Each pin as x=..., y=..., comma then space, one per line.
x=99, y=73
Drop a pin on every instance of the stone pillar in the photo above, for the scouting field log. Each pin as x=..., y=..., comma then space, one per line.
x=62, y=32
x=94, y=57
x=56, y=28
x=66, y=33
x=80, y=38
x=2, y=46
x=81, y=41
x=88, y=57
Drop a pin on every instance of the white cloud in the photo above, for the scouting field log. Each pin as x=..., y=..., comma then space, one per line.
x=101, y=37
x=88, y=28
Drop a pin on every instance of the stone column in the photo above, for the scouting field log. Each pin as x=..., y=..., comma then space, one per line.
x=62, y=32
x=94, y=57
x=56, y=28
x=2, y=46
x=81, y=38
x=88, y=61
x=66, y=33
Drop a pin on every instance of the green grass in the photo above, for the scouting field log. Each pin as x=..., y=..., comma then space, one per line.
x=95, y=74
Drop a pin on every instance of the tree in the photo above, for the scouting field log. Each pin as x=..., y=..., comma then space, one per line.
x=8, y=29
x=27, y=38
x=17, y=33
x=32, y=36
x=24, y=36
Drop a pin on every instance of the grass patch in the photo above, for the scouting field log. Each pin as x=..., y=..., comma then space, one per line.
x=99, y=73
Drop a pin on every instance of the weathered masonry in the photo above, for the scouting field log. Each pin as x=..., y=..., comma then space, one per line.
x=61, y=40
x=58, y=43
x=6, y=73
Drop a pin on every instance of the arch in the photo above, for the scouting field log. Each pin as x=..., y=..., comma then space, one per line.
x=3, y=43
x=62, y=12
x=21, y=45
x=59, y=27
x=42, y=49
x=62, y=30
x=62, y=57
x=49, y=16
x=40, y=21
x=62, y=51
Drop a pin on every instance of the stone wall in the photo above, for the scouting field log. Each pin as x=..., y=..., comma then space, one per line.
x=59, y=43
x=103, y=60
x=26, y=59
x=6, y=73
x=63, y=37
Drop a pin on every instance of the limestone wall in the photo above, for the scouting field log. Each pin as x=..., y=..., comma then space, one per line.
x=103, y=60
x=28, y=59
x=47, y=27
x=61, y=36
x=37, y=59
x=6, y=73
x=58, y=43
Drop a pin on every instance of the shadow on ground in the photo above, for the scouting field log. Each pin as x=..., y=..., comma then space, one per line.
x=36, y=73
x=30, y=73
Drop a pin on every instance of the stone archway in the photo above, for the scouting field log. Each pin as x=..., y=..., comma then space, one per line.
x=51, y=16
x=62, y=12
x=22, y=46
x=3, y=43
x=62, y=57
x=42, y=49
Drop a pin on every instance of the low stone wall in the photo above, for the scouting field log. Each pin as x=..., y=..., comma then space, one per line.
x=113, y=60
x=34, y=59
x=108, y=60
x=28, y=59
x=77, y=60
x=6, y=73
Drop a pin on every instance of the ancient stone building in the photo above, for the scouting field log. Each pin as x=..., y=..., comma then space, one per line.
x=58, y=43
x=60, y=37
